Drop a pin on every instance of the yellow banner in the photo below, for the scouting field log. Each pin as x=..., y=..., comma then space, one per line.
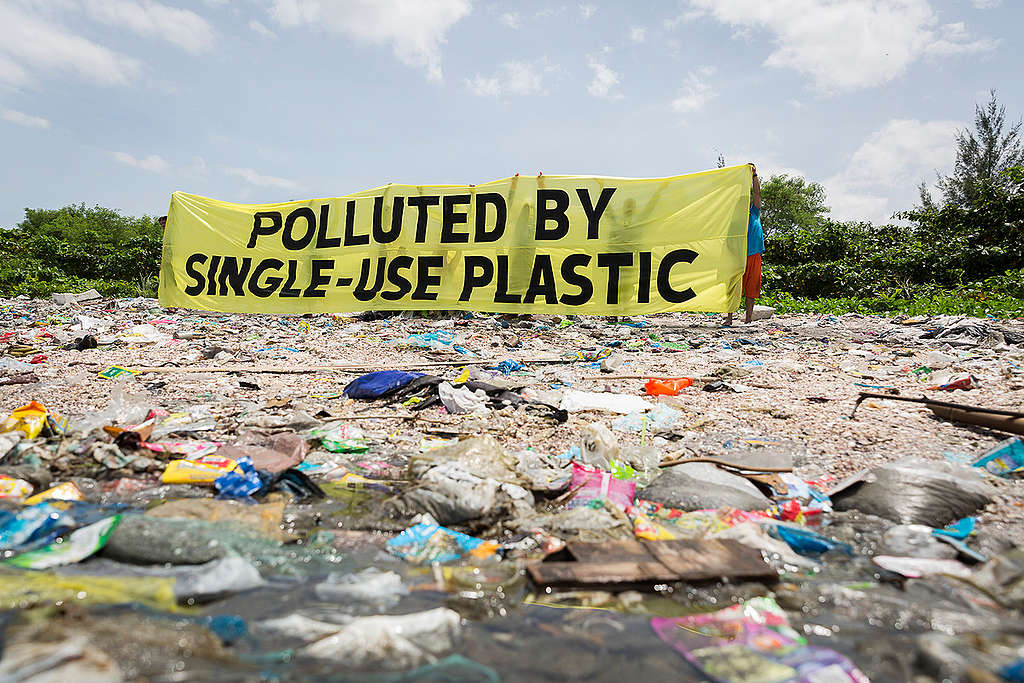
x=546, y=244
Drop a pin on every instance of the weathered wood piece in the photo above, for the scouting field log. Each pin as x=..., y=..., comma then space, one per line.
x=631, y=563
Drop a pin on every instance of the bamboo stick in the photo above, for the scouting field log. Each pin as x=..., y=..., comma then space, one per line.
x=945, y=404
x=993, y=418
x=260, y=369
x=724, y=463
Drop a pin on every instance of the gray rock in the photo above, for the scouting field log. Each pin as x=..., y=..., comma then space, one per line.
x=754, y=458
x=192, y=583
x=63, y=299
x=699, y=486
x=916, y=491
x=148, y=540
x=153, y=540
x=914, y=540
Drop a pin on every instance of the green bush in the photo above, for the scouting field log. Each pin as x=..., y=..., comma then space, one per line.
x=964, y=259
x=959, y=259
x=76, y=248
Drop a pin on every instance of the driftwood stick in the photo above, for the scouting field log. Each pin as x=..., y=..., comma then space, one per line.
x=931, y=402
x=724, y=463
x=268, y=369
x=705, y=380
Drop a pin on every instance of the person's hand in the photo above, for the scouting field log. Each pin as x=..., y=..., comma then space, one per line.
x=753, y=168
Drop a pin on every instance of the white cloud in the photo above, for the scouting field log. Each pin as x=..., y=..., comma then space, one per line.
x=524, y=78
x=683, y=18
x=587, y=10
x=151, y=163
x=881, y=177
x=259, y=180
x=846, y=45
x=638, y=34
x=31, y=45
x=414, y=29
x=511, y=19
x=180, y=27
x=883, y=174
x=512, y=78
x=986, y=4
x=767, y=164
x=22, y=119
x=198, y=169
x=604, y=82
x=696, y=91
x=483, y=86
x=258, y=27
x=11, y=72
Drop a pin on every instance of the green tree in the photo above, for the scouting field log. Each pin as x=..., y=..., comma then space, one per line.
x=982, y=156
x=79, y=223
x=75, y=247
x=980, y=238
x=791, y=203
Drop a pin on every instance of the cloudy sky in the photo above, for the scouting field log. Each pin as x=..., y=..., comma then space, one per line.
x=121, y=102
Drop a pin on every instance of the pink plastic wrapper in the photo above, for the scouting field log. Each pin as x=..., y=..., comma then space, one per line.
x=753, y=642
x=594, y=484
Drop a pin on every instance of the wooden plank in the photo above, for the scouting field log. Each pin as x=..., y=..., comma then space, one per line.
x=619, y=563
x=773, y=480
x=710, y=559
x=725, y=463
x=1004, y=423
x=599, y=573
x=608, y=551
x=292, y=370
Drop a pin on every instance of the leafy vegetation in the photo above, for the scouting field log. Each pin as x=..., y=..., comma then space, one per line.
x=964, y=255
x=790, y=203
x=76, y=248
x=983, y=155
x=956, y=259
x=942, y=303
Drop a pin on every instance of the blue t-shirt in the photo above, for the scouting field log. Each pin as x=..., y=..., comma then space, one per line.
x=755, y=235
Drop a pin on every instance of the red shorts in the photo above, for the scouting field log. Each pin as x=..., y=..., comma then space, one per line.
x=752, y=277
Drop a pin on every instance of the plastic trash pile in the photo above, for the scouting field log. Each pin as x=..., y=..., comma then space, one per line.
x=481, y=497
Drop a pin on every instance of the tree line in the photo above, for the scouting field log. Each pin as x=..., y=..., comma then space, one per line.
x=76, y=248
x=960, y=251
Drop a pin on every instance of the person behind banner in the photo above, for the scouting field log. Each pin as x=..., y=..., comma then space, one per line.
x=755, y=247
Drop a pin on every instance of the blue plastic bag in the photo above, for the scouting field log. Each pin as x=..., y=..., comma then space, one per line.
x=431, y=340
x=240, y=483
x=377, y=384
x=507, y=367
x=807, y=542
x=39, y=523
x=1014, y=672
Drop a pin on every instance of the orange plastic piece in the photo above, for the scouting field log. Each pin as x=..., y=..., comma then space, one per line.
x=666, y=387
